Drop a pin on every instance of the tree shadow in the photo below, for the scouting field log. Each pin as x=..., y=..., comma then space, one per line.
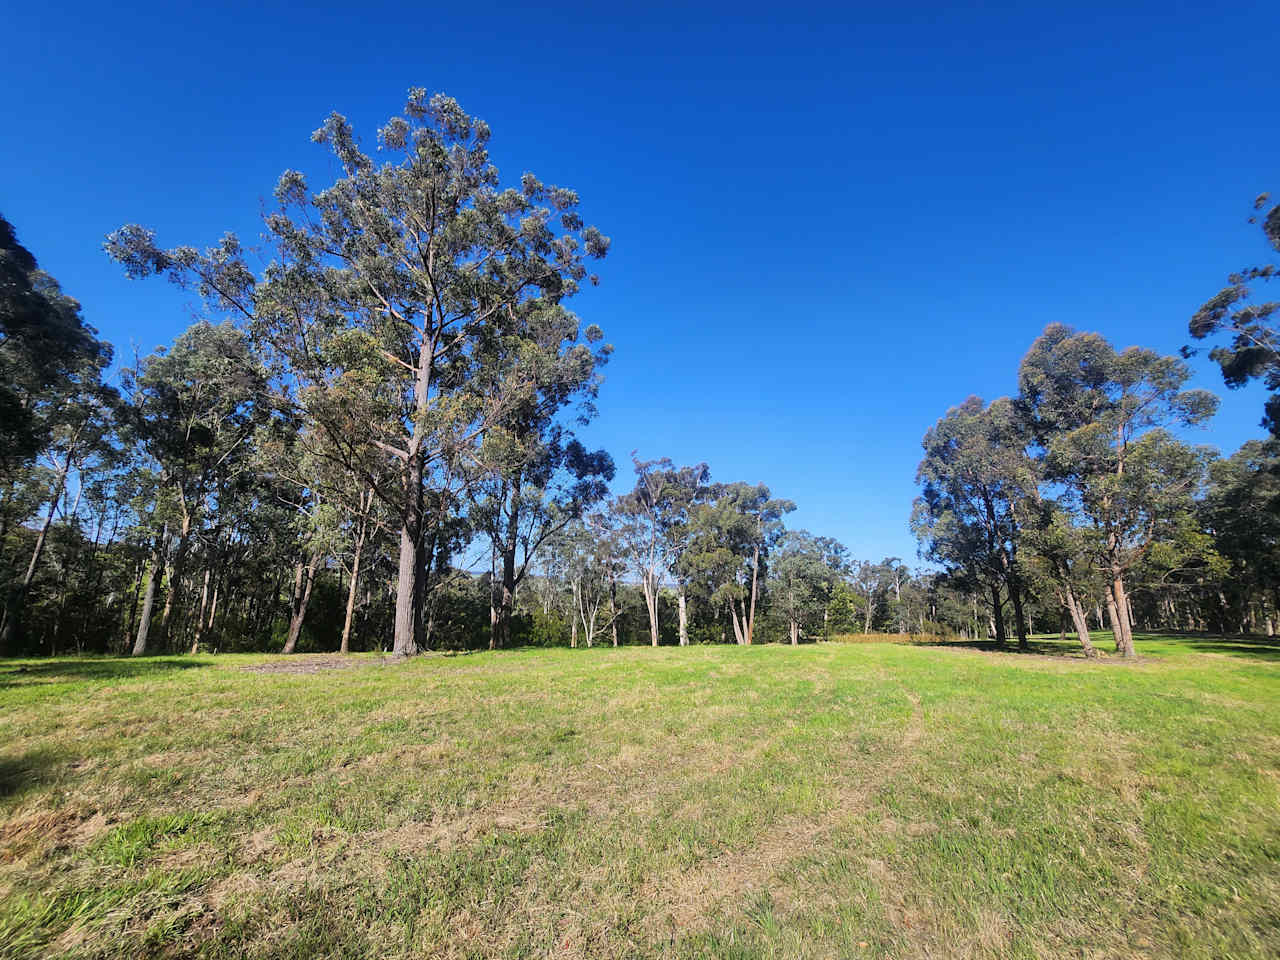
x=1038, y=647
x=1246, y=647
x=28, y=672
x=1250, y=648
x=22, y=772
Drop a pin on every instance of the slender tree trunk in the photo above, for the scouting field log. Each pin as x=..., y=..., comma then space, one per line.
x=755, y=573
x=795, y=634
x=1117, y=626
x=42, y=537
x=173, y=602
x=507, y=600
x=352, y=592
x=997, y=615
x=507, y=594
x=362, y=530
x=408, y=585
x=493, y=597
x=302, y=598
x=133, y=603
x=576, y=589
x=204, y=609
x=683, y=602
x=149, y=599
x=1120, y=600
x=1019, y=620
x=613, y=603
x=1081, y=622
x=648, y=583
x=739, y=631
x=213, y=611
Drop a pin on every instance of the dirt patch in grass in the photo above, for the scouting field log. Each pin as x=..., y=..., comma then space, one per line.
x=316, y=663
x=414, y=838
x=51, y=829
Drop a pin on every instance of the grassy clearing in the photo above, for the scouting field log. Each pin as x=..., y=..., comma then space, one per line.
x=839, y=800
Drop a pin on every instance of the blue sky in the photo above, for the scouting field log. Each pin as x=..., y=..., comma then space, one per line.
x=830, y=223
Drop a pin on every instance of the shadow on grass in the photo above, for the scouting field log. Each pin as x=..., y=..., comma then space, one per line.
x=28, y=770
x=1252, y=648
x=90, y=668
x=1248, y=647
x=1038, y=647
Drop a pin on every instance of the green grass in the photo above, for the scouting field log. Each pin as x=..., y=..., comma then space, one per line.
x=861, y=800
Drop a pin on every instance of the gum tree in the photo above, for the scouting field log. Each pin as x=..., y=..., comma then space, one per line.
x=390, y=295
x=975, y=474
x=654, y=528
x=804, y=572
x=731, y=533
x=1099, y=415
x=192, y=412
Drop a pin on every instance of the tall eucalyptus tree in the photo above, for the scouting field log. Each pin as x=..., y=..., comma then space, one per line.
x=975, y=475
x=732, y=531
x=1099, y=416
x=655, y=532
x=391, y=293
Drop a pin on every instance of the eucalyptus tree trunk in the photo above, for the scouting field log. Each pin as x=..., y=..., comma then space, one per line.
x=739, y=626
x=575, y=587
x=1113, y=617
x=149, y=598
x=613, y=604
x=362, y=531
x=43, y=535
x=1019, y=618
x=683, y=602
x=649, y=584
x=1080, y=619
x=213, y=610
x=505, y=590
x=63, y=575
x=755, y=576
x=172, y=603
x=408, y=584
x=997, y=615
x=204, y=609
x=133, y=603
x=302, y=597
x=1118, y=608
x=507, y=595
x=352, y=592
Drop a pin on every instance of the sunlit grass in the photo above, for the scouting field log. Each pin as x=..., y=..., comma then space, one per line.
x=835, y=800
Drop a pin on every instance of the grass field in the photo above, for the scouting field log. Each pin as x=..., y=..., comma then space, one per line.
x=862, y=800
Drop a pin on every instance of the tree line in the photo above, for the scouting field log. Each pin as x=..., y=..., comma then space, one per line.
x=367, y=441
x=1077, y=494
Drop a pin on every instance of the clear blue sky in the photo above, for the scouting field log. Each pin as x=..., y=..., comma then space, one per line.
x=830, y=224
